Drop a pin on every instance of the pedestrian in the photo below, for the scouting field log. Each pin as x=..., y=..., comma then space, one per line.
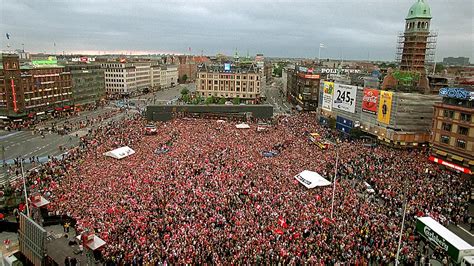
x=470, y=221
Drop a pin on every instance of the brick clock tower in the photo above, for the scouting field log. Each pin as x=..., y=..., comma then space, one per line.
x=13, y=89
x=416, y=45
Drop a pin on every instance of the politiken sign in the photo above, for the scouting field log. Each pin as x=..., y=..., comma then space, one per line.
x=344, y=97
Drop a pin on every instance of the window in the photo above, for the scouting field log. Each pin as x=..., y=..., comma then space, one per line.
x=461, y=143
x=465, y=117
x=447, y=127
x=463, y=130
x=445, y=139
x=448, y=113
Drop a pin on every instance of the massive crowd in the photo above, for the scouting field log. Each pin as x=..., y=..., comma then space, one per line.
x=214, y=198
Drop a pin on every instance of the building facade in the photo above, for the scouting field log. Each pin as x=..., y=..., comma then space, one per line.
x=456, y=61
x=398, y=119
x=187, y=69
x=33, y=89
x=230, y=81
x=127, y=77
x=452, y=139
x=303, y=88
x=88, y=83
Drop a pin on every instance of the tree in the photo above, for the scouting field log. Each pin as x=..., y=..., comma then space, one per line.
x=236, y=100
x=439, y=67
x=221, y=101
x=356, y=133
x=184, y=78
x=185, y=98
x=210, y=100
x=184, y=91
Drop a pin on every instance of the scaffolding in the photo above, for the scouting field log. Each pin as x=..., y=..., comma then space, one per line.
x=416, y=49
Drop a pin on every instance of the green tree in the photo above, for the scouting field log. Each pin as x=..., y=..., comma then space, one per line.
x=439, y=67
x=210, y=100
x=356, y=133
x=184, y=91
x=184, y=78
x=221, y=101
x=185, y=98
x=236, y=100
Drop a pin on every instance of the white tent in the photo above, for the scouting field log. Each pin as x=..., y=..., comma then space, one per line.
x=311, y=179
x=242, y=126
x=120, y=153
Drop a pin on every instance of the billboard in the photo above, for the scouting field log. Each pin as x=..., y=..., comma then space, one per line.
x=369, y=101
x=450, y=165
x=328, y=91
x=32, y=240
x=385, y=107
x=457, y=93
x=344, y=97
x=226, y=67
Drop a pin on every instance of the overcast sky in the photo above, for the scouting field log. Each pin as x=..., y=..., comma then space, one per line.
x=352, y=29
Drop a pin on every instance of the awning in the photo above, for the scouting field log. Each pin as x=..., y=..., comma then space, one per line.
x=58, y=109
x=311, y=179
x=442, y=153
x=471, y=162
x=120, y=153
x=67, y=107
x=457, y=158
x=31, y=115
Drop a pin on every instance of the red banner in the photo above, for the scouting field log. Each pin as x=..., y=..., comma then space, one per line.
x=369, y=102
x=451, y=165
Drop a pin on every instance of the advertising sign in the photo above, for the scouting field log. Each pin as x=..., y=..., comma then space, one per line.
x=226, y=67
x=450, y=165
x=457, y=93
x=443, y=238
x=385, y=107
x=369, y=101
x=328, y=91
x=344, y=97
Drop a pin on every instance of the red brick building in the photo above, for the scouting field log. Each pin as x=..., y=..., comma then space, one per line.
x=40, y=87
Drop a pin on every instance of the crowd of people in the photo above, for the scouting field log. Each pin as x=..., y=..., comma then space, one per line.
x=214, y=198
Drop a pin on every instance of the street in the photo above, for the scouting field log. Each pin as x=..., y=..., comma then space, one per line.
x=29, y=144
x=272, y=92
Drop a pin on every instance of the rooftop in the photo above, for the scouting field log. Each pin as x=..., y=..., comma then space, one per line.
x=420, y=9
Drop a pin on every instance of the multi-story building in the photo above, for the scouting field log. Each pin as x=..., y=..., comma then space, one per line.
x=127, y=77
x=456, y=61
x=398, y=119
x=303, y=88
x=187, y=69
x=229, y=81
x=172, y=75
x=452, y=136
x=155, y=77
x=88, y=83
x=33, y=89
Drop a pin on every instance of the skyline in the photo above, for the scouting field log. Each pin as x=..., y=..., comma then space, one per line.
x=274, y=28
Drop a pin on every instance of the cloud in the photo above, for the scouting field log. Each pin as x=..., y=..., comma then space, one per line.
x=353, y=29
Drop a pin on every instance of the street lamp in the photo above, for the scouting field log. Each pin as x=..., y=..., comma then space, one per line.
x=24, y=188
x=397, y=262
x=334, y=184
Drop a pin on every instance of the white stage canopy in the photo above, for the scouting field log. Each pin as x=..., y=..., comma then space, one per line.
x=120, y=153
x=242, y=126
x=311, y=179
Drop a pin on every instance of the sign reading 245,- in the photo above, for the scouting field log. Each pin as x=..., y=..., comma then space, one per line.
x=344, y=97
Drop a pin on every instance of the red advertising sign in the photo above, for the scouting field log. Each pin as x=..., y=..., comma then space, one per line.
x=369, y=102
x=451, y=165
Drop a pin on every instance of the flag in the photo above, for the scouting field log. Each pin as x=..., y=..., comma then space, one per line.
x=282, y=222
x=8, y=36
x=321, y=45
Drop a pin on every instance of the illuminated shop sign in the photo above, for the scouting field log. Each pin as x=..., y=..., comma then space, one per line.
x=457, y=93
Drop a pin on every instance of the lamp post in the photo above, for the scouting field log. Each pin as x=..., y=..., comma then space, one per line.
x=334, y=184
x=24, y=188
x=397, y=262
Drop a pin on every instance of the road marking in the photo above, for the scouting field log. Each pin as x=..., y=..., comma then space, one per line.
x=9, y=135
x=465, y=230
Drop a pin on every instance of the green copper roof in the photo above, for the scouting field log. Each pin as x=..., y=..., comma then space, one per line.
x=420, y=9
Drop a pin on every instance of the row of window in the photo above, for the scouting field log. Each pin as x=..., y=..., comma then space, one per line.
x=251, y=77
x=461, y=130
x=227, y=82
x=460, y=143
x=227, y=88
x=451, y=114
x=229, y=95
